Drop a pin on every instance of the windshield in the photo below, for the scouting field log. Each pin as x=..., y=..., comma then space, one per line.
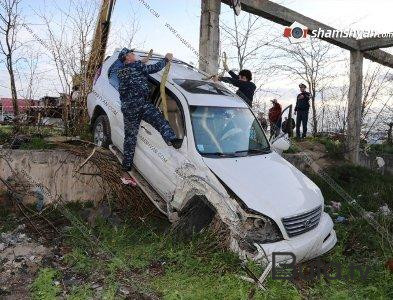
x=227, y=131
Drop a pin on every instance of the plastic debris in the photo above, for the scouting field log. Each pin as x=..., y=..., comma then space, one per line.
x=341, y=219
x=336, y=205
x=370, y=214
x=385, y=210
x=380, y=162
x=128, y=181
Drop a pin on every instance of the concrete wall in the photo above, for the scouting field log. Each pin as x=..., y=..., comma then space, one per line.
x=55, y=171
x=364, y=161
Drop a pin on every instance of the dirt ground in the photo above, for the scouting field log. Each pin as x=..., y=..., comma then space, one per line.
x=30, y=245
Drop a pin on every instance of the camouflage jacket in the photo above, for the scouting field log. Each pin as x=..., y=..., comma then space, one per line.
x=133, y=82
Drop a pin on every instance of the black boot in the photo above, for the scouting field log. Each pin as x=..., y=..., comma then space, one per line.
x=176, y=143
x=126, y=167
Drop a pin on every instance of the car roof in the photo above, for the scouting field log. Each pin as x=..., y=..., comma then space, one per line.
x=182, y=70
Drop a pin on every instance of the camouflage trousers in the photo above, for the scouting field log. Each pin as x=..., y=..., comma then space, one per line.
x=133, y=114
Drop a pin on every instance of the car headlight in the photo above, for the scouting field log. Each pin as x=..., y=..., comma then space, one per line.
x=261, y=230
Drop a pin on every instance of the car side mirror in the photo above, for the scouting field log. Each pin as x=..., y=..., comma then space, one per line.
x=281, y=144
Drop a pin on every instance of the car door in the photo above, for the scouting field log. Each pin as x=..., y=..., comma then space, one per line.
x=160, y=161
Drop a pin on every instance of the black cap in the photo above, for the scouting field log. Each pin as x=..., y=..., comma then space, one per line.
x=123, y=53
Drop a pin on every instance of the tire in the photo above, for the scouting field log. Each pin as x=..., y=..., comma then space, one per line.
x=102, y=131
x=193, y=218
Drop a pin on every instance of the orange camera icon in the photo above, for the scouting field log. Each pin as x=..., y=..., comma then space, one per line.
x=296, y=32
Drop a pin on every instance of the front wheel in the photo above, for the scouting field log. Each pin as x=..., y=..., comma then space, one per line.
x=102, y=131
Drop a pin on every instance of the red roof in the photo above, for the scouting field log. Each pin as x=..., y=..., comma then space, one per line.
x=23, y=104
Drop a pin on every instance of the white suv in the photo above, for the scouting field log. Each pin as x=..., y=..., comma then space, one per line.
x=225, y=169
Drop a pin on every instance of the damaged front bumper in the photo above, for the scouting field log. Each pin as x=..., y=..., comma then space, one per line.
x=306, y=246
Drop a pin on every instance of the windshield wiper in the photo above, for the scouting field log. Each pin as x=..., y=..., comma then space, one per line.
x=220, y=154
x=254, y=151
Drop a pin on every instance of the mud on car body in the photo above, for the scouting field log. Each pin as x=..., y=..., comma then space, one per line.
x=226, y=168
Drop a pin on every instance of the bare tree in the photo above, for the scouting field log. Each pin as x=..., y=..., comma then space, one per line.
x=10, y=20
x=311, y=62
x=246, y=41
x=69, y=42
x=29, y=77
x=69, y=39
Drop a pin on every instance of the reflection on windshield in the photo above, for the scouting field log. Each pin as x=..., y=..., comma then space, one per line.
x=202, y=87
x=224, y=131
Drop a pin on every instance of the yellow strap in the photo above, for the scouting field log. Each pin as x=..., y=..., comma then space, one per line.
x=150, y=54
x=162, y=90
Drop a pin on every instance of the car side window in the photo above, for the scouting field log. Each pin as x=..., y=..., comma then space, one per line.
x=112, y=73
x=175, y=117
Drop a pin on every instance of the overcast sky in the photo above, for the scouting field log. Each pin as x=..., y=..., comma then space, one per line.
x=183, y=15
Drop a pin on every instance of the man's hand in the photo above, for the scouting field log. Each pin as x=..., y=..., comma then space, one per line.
x=169, y=56
x=216, y=78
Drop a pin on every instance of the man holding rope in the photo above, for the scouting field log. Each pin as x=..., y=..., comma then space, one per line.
x=242, y=81
x=134, y=90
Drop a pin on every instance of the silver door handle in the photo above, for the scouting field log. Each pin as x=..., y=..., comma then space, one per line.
x=147, y=131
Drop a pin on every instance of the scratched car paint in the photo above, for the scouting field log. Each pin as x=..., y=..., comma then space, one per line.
x=266, y=203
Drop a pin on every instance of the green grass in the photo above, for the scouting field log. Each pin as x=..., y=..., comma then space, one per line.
x=200, y=269
x=292, y=149
x=82, y=292
x=335, y=148
x=197, y=269
x=36, y=143
x=382, y=149
x=5, y=133
x=371, y=189
x=43, y=287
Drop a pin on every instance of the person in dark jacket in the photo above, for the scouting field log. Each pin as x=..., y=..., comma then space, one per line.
x=275, y=118
x=301, y=110
x=243, y=82
x=134, y=90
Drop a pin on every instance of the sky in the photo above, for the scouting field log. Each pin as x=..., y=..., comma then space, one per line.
x=183, y=15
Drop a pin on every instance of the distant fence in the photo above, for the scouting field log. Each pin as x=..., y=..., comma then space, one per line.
x=370, y=161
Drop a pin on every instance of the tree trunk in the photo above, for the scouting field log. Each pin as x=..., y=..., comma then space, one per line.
x=14, y=95
x=390, y=140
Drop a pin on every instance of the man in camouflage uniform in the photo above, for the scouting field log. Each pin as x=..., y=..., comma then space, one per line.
x=134, y=90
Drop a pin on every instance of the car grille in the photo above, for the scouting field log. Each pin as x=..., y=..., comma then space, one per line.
x=302, y=223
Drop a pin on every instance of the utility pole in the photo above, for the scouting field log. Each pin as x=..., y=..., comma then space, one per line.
x=209, y=39
x=354, y=105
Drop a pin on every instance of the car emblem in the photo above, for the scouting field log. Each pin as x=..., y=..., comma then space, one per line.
x=307, y=223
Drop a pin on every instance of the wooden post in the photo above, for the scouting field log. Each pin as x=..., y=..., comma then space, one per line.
x=209, y=39
x=354, y=106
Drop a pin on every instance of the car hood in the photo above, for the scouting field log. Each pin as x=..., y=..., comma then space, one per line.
x=268, y=184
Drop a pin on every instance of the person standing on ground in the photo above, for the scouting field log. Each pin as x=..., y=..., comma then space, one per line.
x=301, y=110
x=275, y=118
x=134, y=90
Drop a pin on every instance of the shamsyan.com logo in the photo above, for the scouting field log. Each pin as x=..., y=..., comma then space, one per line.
x=284, y=270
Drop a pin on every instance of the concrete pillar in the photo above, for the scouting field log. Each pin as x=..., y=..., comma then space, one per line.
x=354, y=106
x=209, y=36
